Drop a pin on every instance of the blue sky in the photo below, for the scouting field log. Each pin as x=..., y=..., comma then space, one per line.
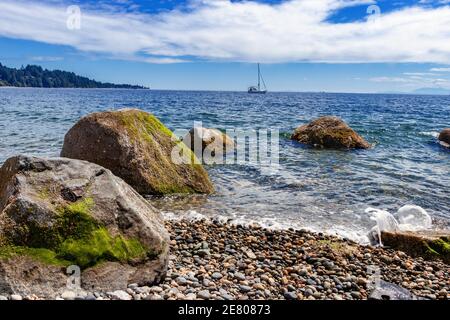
x=303, y=45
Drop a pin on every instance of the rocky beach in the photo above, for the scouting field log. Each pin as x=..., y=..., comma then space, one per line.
x=222, y=261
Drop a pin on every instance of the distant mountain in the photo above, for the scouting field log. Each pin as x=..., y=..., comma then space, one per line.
x=438, y=91
x=36, y=76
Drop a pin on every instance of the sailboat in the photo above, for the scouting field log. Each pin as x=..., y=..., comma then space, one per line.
x=257, y=89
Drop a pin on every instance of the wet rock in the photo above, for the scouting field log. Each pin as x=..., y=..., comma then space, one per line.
x=329, y=132
x=444, y=137
x=137, y=147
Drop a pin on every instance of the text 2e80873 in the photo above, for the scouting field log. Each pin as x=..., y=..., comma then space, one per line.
x=237, y=309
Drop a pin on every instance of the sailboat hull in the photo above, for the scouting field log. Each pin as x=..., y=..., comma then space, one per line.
x=258, y=92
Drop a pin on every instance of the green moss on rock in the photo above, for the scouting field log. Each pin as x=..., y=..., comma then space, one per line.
x=76, y=238
x=40, y=254
x=145, y=129
x=101, y=246
x=140, y=124
x=439, y=248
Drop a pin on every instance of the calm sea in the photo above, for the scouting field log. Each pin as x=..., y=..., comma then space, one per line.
x=317, y=189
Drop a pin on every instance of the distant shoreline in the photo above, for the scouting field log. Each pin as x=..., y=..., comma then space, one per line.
x=74, y=88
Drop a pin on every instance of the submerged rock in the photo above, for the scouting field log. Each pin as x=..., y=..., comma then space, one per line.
x=426, y=244
x=208, y=143
x=329, y=132
x=137, y=147
x=60, y=212
x=444, y=137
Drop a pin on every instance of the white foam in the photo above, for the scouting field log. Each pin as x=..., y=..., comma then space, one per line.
x=407, y=218
x=268, y=223
x=433, y=134
x=413, y=218
x=384, y=222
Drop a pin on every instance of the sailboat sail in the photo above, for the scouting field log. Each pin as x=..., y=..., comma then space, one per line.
x=257, y=89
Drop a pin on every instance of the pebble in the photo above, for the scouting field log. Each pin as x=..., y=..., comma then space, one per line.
x=250, y=254
x=206, y=282
x=356, y=294
x=153, y=296
x=156, y=289
x=90, y=296
x=191, y=296
x=244, y=288
x=16, y=297
x=68, y=295
x=181, y=281
x=204, y=294
x=217, y=275
x=290, y=295
x=239, y=276
x=119, y=295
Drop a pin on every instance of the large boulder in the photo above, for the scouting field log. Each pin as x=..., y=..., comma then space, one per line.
x=444, y=137
x=209, y=144
x=329, y=132
x=137, y=147
x=60, y=212
x=428, y=244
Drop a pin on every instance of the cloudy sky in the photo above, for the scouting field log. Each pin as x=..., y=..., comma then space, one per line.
x=303, y=45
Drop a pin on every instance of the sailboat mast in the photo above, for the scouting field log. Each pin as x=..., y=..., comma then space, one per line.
x=259, y=79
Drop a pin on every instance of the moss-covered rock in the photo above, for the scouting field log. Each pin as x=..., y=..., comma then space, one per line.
x=329, y=132
x=137, y=147
x=60, y=212
x=427, y=244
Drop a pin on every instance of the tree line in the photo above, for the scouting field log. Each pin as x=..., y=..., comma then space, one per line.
x=36, y=76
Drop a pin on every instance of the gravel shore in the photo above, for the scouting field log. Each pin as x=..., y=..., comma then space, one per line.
x=215, y=260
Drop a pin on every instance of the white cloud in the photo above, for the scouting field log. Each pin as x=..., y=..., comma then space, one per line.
x=46, y=59
x=221, y=30
x=440, y=69
x=420, y=74
x=414, y=82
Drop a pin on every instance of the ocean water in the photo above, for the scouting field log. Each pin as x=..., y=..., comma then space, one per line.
x=321, y=190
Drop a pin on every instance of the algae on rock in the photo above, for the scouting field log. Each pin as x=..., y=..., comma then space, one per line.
x=137, y=147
